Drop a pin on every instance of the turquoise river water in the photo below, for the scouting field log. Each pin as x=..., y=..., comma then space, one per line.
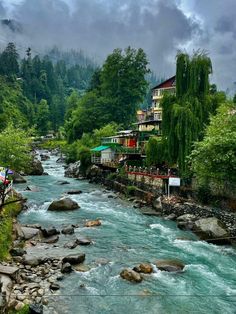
x=125, y=239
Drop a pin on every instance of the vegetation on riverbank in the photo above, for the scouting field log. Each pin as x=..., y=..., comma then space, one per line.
x=24, y=310
x=7, y=214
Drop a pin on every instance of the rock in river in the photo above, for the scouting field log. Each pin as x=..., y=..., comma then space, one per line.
x=51, y=239
x=93, y=223
x=50, y=231
x=17, y=178
x=143, y=268
x=74, y=192
x=66, y=268
x=74, y=259
x=83, y=241
x=68, y=230
x=131, y=275
x=170, y=265
x=63, y=204
x=36, y=168
x=210, y=228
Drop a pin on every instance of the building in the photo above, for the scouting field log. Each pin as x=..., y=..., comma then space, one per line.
x=150, y=120
x=117, y=149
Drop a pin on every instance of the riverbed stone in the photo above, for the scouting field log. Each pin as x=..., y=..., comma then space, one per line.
x=35, y=168
x=68, y=230
x=31, y=260
x=144, y=268
x=74, y=259
x=50, y=240
x=62, y=182
x=66, y=268
x=72, y=192
x=157, y=205
x=50, y=231
x=83, y=241
x=54, y=286
x=210, y=228
x=17, y=251
x=170, y=265
x=36, y=309
x=71, y=244
x=17, y=178
x=186, y=218
x=29, y=233
x=63, y=204
x=19, y=306
x=131, y=275
x=93, y=223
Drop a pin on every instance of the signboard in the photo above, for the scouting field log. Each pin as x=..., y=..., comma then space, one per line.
x=174, y=181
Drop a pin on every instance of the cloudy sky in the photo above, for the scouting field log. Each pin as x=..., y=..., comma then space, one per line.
x=160, y=27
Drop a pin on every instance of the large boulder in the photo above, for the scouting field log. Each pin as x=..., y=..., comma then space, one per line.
x=51, y=239
x=63, y=204
x=36, y=168
x=68, y=230
x=186, y=221
x=74, y=259
x=131, y=275
x=17, y=178
x=29, y=233
x=31, y=260
x=170, y=265
x=157, y=205
x=66, y=268
x=210, y=229
x=50, y=231
x=73, y=170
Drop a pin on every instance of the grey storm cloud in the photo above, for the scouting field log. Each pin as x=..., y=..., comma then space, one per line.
x=2, y=10
x=99, y=26
x=160, y=27
x=218, y=37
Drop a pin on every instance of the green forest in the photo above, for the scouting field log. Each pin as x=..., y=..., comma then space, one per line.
x=67, y=94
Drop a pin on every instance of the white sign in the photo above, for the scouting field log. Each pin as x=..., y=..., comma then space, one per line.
x=174, y=181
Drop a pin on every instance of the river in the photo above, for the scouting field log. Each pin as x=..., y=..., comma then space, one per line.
x=125, y=239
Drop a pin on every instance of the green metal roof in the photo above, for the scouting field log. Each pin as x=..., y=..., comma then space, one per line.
x=99, y=148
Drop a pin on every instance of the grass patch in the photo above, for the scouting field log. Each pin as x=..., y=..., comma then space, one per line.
x=24, y=310
x=6, y=223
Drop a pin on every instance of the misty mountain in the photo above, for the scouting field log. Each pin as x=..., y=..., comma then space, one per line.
x=12, y=25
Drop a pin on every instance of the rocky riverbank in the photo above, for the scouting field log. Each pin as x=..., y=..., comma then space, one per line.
x=31, y=278
x=212, y=224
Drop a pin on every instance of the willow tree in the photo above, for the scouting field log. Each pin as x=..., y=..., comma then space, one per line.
x=186, y=114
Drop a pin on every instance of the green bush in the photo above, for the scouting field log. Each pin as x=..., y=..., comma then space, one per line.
x=24, y=310
x=112, y=176
x=6, y=222
x=203, y=194
x=130, y=190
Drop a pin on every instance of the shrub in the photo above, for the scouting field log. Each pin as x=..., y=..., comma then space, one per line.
x=130, y=190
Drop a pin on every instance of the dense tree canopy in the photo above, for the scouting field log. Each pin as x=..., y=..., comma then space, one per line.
x=114, y=94
x=186, y=114
x=14, y=148
x=214, y=158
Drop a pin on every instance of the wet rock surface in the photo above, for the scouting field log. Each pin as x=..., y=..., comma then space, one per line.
x=131, y=275
x=63, y=204
x=170, y=265
x=93, y=223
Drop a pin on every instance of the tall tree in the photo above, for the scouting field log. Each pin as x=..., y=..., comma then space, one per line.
x=9, y=61
x=186, y=115
x=43, y=115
